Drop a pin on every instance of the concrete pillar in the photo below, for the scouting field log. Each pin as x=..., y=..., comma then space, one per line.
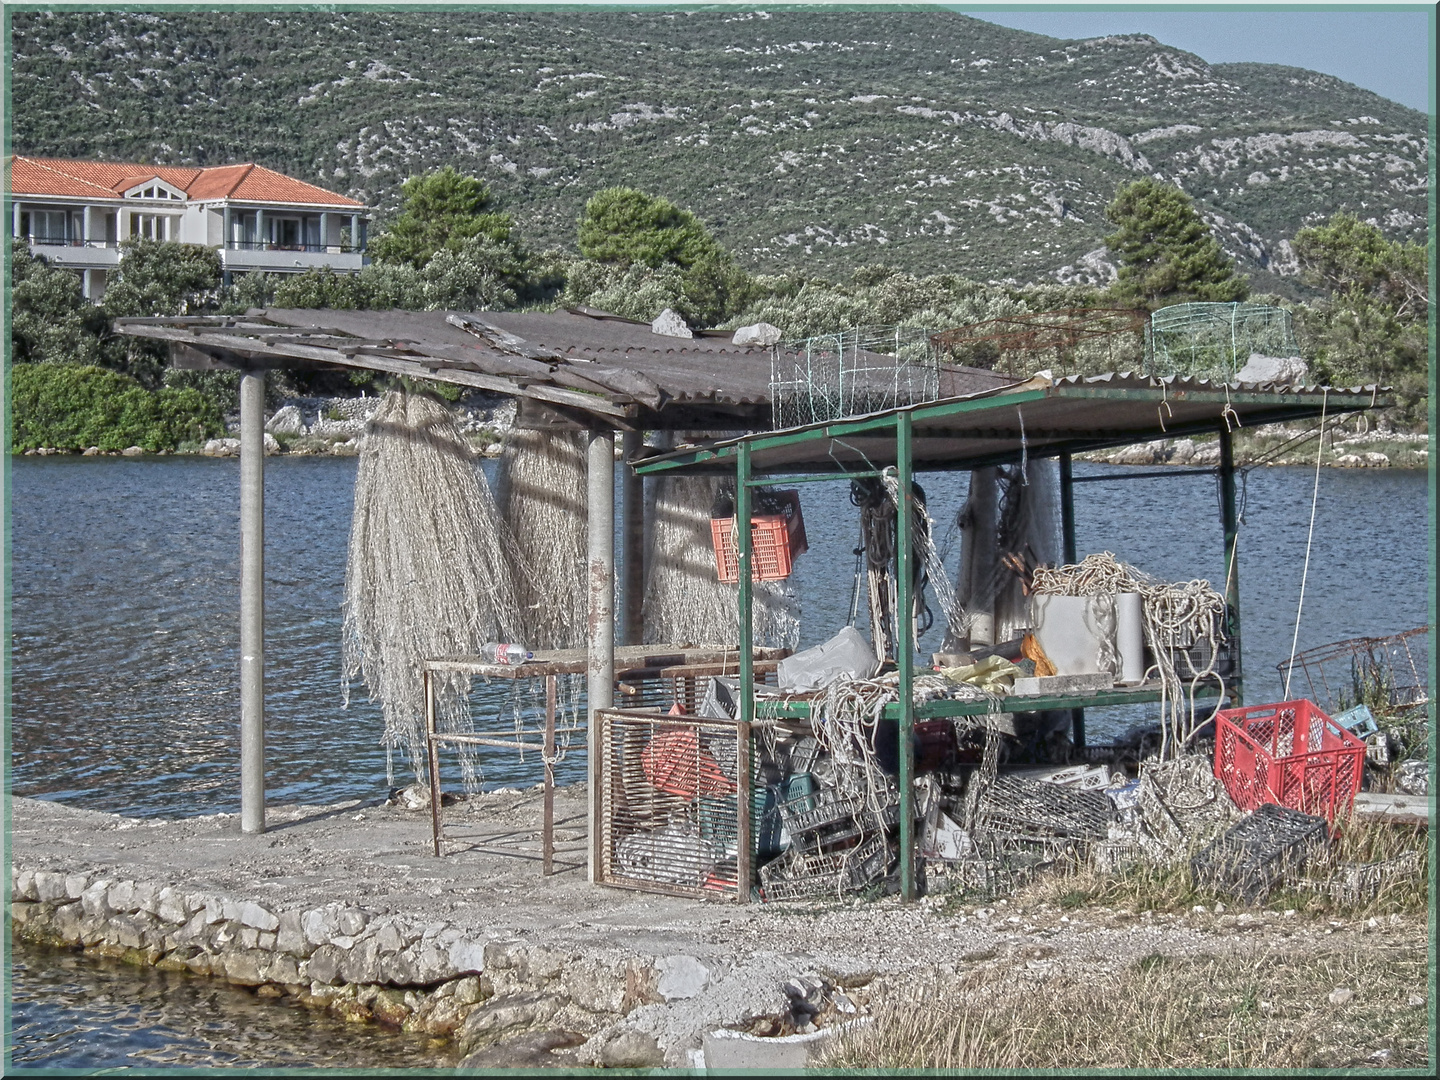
x=15, y=218
x=600, y=619
x=252, y=602
x=354, y=232
x=632, y=516
x=261, y=240
x=324, y=231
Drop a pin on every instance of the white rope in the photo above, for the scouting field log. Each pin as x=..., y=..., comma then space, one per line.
x=1309, y=539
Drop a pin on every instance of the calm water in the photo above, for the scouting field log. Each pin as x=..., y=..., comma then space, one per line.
x=124, y=654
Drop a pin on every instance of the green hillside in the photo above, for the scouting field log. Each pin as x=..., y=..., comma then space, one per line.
x=806, y=139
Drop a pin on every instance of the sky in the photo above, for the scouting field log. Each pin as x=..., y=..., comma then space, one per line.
x=1387, y=51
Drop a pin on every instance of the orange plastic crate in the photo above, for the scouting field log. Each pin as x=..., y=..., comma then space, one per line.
x=775, y=540
x=1289, y=753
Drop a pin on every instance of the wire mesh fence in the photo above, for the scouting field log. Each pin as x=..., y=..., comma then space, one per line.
x=851, y=373
x=1214, y=341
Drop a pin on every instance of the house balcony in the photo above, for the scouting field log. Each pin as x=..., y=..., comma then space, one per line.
x=77, y=254
x=246, y=256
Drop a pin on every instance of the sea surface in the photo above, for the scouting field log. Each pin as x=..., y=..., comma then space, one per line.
x=124, y=669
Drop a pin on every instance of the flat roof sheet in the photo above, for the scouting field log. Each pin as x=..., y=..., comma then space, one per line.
x=1042, y=417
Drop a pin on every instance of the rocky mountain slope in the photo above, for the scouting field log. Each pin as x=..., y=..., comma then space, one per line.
x=814, y=139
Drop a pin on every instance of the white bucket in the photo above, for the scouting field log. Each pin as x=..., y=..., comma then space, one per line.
x=1065, y=630
x=1130, y=638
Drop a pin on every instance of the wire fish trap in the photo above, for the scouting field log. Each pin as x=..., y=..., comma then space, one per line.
x=851, y=373
x=672, y=819
x=801, y=876
x=1214, y=341
x=1032, y=808
x=820, y=824
x=1390, y=671
x=1259, y=852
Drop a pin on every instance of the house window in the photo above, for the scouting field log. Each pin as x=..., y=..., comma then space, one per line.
x=46, y=226
x=152, y=226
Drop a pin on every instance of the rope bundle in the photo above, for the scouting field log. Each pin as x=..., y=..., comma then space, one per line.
x=1176, y=616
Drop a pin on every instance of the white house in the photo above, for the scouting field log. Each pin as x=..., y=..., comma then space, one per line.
x=75, y=213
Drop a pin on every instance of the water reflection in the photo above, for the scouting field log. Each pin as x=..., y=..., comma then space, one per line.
x=73, y=1013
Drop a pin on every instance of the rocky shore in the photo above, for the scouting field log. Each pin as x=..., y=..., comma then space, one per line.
x=344, y=908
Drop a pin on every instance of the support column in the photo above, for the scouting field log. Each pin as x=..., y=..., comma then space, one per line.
x=354, y=232
x=905, y=651
x=252, y=602
x=15, y=219
x=632, y=514
x=744, y=548
x=262, y=242
x=600, y=665
x=1067, y=553
x=1230, y=522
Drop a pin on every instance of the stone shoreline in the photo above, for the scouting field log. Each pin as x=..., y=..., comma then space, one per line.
x=345, y=908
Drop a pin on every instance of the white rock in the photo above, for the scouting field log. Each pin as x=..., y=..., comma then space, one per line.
x=757, y=334
x=1341, y=995
x=1273, y=369
x=272, y=444
x=669, y=324
x=49, y=886
x=287, y=421
x=222, y=448
x=681, y=977
x=133, y=451
x=75, y=885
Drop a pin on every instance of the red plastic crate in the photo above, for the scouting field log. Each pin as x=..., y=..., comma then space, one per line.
x=1289, y=753
x=775, y=541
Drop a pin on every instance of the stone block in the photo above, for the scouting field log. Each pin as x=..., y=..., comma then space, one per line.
x=362, y=964
x=248, y=937
x=349, y=921
x=388, y=938
x=1062, y=684
x=129, y=930
x=171, y=906
x=75, y=885
x=245, y=966
x=252, y=914
x=629, y=1049
x=49, y=886
x=680, y=977
x=122, y=896
x=96, y=898
x=467, y=957
x=147, y=897
x=266, y=941
x=324, y=964
x=290, y=935
x=283, y=969
x=499, y=1017
x=66, y=922
x=23, y=885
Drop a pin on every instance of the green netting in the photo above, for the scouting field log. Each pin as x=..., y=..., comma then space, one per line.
x=1214, y=341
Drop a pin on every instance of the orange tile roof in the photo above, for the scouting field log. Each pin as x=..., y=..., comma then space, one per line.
x=107, y=179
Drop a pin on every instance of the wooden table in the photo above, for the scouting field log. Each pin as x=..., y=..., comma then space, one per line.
x=633, y=664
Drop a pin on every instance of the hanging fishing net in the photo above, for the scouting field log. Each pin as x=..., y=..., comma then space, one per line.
x=685, y=600
x=429, y=571
x=542, y=494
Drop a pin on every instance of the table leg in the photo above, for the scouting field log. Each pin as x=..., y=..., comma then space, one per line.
x=547, y=841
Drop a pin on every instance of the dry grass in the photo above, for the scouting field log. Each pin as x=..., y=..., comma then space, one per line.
x=1151, y=887
x=1265, y=1011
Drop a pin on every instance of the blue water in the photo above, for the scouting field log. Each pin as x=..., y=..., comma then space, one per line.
x=124, y=572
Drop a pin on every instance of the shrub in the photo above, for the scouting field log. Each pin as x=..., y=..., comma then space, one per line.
x=72, y=407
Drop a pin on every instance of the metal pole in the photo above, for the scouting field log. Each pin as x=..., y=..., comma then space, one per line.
x=432, y=752
x=547, y=839
x=1230, y=521
x=632, y=517
x=1067, y=508
x=905, y=653
x=600, y=664
x=252, y=602
x=743, y=549
x=1067, y=543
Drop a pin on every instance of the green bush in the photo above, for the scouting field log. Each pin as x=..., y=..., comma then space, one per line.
x=72, y=407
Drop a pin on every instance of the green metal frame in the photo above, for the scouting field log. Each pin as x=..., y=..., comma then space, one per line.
x=901, y=424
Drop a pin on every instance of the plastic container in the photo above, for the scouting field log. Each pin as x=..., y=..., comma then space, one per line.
x=1288, y=753
x=494, y=652
x=775, y=541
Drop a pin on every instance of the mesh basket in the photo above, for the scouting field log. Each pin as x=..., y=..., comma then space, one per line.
x=1259, y=852
x=1289, y=753
x=675, y=804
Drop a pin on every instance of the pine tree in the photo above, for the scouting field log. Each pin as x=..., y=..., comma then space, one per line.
x=1167, y=254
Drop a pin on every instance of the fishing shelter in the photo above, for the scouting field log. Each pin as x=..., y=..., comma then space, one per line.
x=1039, y=418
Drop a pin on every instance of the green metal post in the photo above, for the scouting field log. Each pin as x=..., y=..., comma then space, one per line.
x=905, y=653
x=743, y=547
x=1230, y=520
x=1067, y=508
x=1067, y=543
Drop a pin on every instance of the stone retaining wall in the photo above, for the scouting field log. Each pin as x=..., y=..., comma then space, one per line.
x=428, y=977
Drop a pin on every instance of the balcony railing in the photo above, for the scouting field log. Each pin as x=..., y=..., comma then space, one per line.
x=266, y=245
x=58, y=241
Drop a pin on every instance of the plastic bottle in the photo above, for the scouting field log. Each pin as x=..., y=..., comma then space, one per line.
x=497, y=653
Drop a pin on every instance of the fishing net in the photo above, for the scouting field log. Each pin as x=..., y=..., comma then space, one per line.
x=541, y=490
x=685, y=600
x=429, y=571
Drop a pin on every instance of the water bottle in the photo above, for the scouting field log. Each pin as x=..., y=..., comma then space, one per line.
x=496, y=653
